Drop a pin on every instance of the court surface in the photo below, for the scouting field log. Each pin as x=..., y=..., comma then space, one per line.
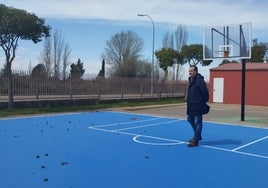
x=113, y=149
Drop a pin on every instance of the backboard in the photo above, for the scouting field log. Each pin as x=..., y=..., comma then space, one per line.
x=230, y=41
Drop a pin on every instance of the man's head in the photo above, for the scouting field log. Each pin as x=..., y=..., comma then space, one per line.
x=193, y=70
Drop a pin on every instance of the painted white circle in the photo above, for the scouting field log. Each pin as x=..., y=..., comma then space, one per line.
x=160, y=142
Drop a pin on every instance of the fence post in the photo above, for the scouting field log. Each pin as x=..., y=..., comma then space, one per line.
x=172, y=89
x=36, y=90
x=121, y=88
x=99, y=94
x=141, y=90
x=71, y=89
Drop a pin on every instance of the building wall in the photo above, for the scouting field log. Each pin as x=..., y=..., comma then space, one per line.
x=256, y=87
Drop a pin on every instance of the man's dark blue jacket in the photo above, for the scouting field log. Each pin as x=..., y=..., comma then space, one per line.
x=197, y=96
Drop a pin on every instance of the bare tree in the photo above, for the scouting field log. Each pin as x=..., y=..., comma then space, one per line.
x=30, y=67
x=168, y=40
x=181, y=37
x=46, y=56
x=66, y=59
x=176, y=40
x=56, y=54
x=58, y=43
x=122, y=53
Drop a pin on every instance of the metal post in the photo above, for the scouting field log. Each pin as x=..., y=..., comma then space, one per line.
x=152, y=69
x=243, y=86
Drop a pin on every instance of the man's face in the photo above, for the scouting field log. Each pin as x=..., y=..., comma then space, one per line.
x=192, y=72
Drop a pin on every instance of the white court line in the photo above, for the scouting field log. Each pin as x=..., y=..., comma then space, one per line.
x=250, y=143
x=118, y=131
x=135, y=136
x=181, y=142
x=128, y=122
x=238, y=152
x=149, y=125
x=171, y=141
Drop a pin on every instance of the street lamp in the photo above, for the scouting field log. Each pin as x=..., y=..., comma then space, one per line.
x=152, y=69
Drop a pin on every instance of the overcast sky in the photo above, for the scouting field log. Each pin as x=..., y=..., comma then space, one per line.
x=89, y=23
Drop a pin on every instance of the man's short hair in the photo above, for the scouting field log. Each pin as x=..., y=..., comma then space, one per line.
x=195, y=67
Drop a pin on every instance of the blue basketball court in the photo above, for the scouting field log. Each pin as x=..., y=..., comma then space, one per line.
x=113, y=149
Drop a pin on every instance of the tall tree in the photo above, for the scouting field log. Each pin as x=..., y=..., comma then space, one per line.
x=58, y=43
x=122, y=53
x=18, y=24
x=168, y=40
x=46, y=56
x=176, y=40
x=56, y=55
x=257, y=53
x=143, y=69
x=167, y=57
x=65, y=59
x=102, y=71
x=39, y=71
x=77, y=70
x=193, y=55
x=181, y=37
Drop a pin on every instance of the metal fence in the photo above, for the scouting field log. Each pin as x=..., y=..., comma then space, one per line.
x=29, y=88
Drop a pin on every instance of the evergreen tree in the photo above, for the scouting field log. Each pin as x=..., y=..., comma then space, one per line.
x=77, y=70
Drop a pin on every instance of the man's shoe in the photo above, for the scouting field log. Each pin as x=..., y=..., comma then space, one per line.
x=193, y=143
x=195, y=140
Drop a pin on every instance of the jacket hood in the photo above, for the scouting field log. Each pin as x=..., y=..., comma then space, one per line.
x=199, y=76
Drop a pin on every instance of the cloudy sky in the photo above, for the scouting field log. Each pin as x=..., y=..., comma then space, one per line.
x=87, y=24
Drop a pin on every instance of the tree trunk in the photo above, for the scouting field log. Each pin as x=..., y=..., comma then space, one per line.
x=163, y=81
x=10, y=86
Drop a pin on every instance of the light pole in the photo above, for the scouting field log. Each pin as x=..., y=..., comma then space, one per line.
x=152, y=69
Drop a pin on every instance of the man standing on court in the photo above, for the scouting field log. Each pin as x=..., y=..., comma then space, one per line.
x=197, y=97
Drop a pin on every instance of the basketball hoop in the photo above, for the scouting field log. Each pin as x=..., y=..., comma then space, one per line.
x=223, y=53
x=229, y=41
